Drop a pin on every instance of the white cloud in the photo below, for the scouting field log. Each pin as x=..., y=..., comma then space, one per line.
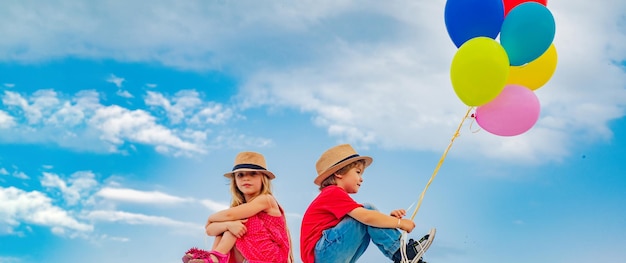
x=136, y=219
x=398, y=94
x=118, y=124
x=9, y=230
x=211, y=114
x=10, y=260
x=387, y=85
x=42, y=102
x=69, y=115
x=186, y=105
x=136, y=196
x=3, y=171
x=16, y=100
x=17, y=206
x=20, y=175
x=6, y=120
x=189, y=35
x=116, y=80
x=78, y=187
x=124, y=94
x=214, y=206
x=82, y=118
x=175, y=114
x=117, y=239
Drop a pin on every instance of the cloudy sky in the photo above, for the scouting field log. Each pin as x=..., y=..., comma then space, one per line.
x=118, y=119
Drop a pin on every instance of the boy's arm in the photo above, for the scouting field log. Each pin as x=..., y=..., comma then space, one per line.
x=243, y=211
x=378, y=219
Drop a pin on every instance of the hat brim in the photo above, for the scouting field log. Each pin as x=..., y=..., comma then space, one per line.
x=318, y=180
x=265, y=172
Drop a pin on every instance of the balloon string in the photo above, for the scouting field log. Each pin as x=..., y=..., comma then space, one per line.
x=445, y=153
x=472, y=124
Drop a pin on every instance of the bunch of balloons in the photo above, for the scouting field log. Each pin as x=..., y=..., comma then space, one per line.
x=499, y=78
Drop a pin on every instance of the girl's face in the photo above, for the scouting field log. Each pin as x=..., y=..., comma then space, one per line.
x=249, y=183
x=351, y=181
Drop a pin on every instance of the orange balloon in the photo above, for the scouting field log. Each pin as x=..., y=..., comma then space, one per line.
x=536, y=73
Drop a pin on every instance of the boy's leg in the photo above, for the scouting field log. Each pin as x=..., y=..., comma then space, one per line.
x=386, y=239
x=345, y=242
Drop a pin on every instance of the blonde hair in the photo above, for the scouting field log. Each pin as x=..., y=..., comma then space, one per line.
x=238, y=197
x=266, y=188
x=330, y=180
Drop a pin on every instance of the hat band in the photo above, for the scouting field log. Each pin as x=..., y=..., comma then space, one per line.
x=349, y=157
x=248, y=166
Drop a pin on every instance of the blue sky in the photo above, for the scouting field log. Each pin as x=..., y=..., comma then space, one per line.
x=118, y=119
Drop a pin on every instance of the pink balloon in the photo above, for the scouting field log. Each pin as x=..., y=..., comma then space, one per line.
x=514, y=111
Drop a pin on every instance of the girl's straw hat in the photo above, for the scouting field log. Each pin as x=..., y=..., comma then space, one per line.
x=250, y=161
x=336, y=158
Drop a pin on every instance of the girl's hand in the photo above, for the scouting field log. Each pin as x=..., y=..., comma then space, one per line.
x=399, y=213
x=237, y=227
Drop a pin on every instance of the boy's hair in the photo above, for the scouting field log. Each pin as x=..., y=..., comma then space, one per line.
x=330, y=180
x=238, y=198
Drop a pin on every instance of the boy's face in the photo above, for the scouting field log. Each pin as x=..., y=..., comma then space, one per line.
x=351, y=181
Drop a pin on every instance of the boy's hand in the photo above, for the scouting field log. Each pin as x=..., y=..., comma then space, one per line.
x=399, y=213
x=406, y=225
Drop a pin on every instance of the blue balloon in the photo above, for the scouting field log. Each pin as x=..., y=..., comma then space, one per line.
x=527, y=32
x=467, y=19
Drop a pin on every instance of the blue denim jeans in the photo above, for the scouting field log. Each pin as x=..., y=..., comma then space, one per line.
x=348, y=240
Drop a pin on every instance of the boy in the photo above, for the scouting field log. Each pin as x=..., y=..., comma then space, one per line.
x=335, y=228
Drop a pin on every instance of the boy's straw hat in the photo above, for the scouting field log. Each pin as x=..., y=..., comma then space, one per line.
x=336, y=158
x=250, y=161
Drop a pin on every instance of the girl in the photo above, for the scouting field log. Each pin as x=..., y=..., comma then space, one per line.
x=255, y=225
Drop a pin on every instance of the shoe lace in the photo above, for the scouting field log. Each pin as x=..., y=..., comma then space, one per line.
x=404, y=258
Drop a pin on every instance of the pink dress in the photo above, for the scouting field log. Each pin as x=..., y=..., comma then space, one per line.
x=266, y=240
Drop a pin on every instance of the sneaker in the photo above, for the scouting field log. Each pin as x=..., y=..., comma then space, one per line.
x=416, y=249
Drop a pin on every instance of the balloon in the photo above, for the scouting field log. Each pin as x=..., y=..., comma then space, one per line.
x=479, y=71
x=466, y=19
x=527, y=32
x=513, y=112
x=510, y=4
x=536, y=73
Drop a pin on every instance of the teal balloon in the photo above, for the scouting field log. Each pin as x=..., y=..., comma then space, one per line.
x=527, y=32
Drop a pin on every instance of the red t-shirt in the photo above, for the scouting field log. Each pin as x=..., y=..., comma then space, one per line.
x=326, y=211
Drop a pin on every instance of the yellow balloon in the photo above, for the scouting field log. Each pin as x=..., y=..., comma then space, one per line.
x=536, y=73
x=479, y=71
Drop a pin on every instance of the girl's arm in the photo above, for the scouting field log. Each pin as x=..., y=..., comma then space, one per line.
x=237, y=228
x=378, y=219
x=243, y=211
x=216, y=229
